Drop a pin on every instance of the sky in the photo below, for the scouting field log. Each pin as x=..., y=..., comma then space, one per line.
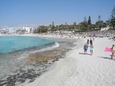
x=44, y=12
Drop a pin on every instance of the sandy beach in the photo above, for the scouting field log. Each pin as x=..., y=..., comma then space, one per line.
x=70, y=66
x=81, y=70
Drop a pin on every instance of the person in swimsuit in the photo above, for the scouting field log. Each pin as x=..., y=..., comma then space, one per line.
x=91, y=49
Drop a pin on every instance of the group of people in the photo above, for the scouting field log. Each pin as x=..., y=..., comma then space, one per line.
x=89, y=44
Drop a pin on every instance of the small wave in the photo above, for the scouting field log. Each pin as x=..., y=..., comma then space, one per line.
x=55, y=45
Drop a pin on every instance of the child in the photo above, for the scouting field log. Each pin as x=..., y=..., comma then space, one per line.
x=85, y=48
x=91, y=49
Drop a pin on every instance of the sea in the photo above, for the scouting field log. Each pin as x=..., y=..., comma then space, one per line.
x=14, y=66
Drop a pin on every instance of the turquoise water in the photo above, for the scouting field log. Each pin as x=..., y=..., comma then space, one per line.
x=10, y=44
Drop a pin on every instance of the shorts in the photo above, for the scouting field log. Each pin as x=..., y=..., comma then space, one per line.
x=91, y=50
x=85, y=50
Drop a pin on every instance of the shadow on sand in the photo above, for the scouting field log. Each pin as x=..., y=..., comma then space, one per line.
x=100, y=56
x=106, y=58
x=85, y=53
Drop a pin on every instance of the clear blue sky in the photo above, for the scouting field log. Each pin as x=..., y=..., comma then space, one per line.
x=37, y=12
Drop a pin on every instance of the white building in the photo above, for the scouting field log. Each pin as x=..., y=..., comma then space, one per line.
x=3, y=31
x=20, y=30
x=27, y=29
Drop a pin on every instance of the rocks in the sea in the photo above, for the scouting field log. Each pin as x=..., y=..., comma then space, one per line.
x=23, y=75
x=44, y=56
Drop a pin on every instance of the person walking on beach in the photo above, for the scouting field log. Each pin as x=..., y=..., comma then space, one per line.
x=91, y=42
x=85, y=48
x=91, y=49
x=113, y=51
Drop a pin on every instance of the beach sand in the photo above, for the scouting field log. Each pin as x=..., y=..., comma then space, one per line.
x=77, y=69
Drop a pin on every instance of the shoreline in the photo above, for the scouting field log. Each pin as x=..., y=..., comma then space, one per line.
x=50, y=57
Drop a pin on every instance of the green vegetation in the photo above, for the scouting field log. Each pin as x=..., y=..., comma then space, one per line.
x=84, y=26
x=112, y=20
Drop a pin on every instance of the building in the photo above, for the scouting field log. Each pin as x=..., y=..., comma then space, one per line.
x=3, y=30
x=17, y=30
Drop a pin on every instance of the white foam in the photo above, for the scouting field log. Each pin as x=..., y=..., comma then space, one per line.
x=47, y=48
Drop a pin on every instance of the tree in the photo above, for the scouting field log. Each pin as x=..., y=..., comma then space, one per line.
x=112, y=21
x=99, y=18
x=85, y=19
x=41, y=29
x=66, y=26
x=100, y=24
x=89, y=23
x=53, y=26
x=113, y=12
x=83, y=26
x=74, y=25
x=89, y=20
